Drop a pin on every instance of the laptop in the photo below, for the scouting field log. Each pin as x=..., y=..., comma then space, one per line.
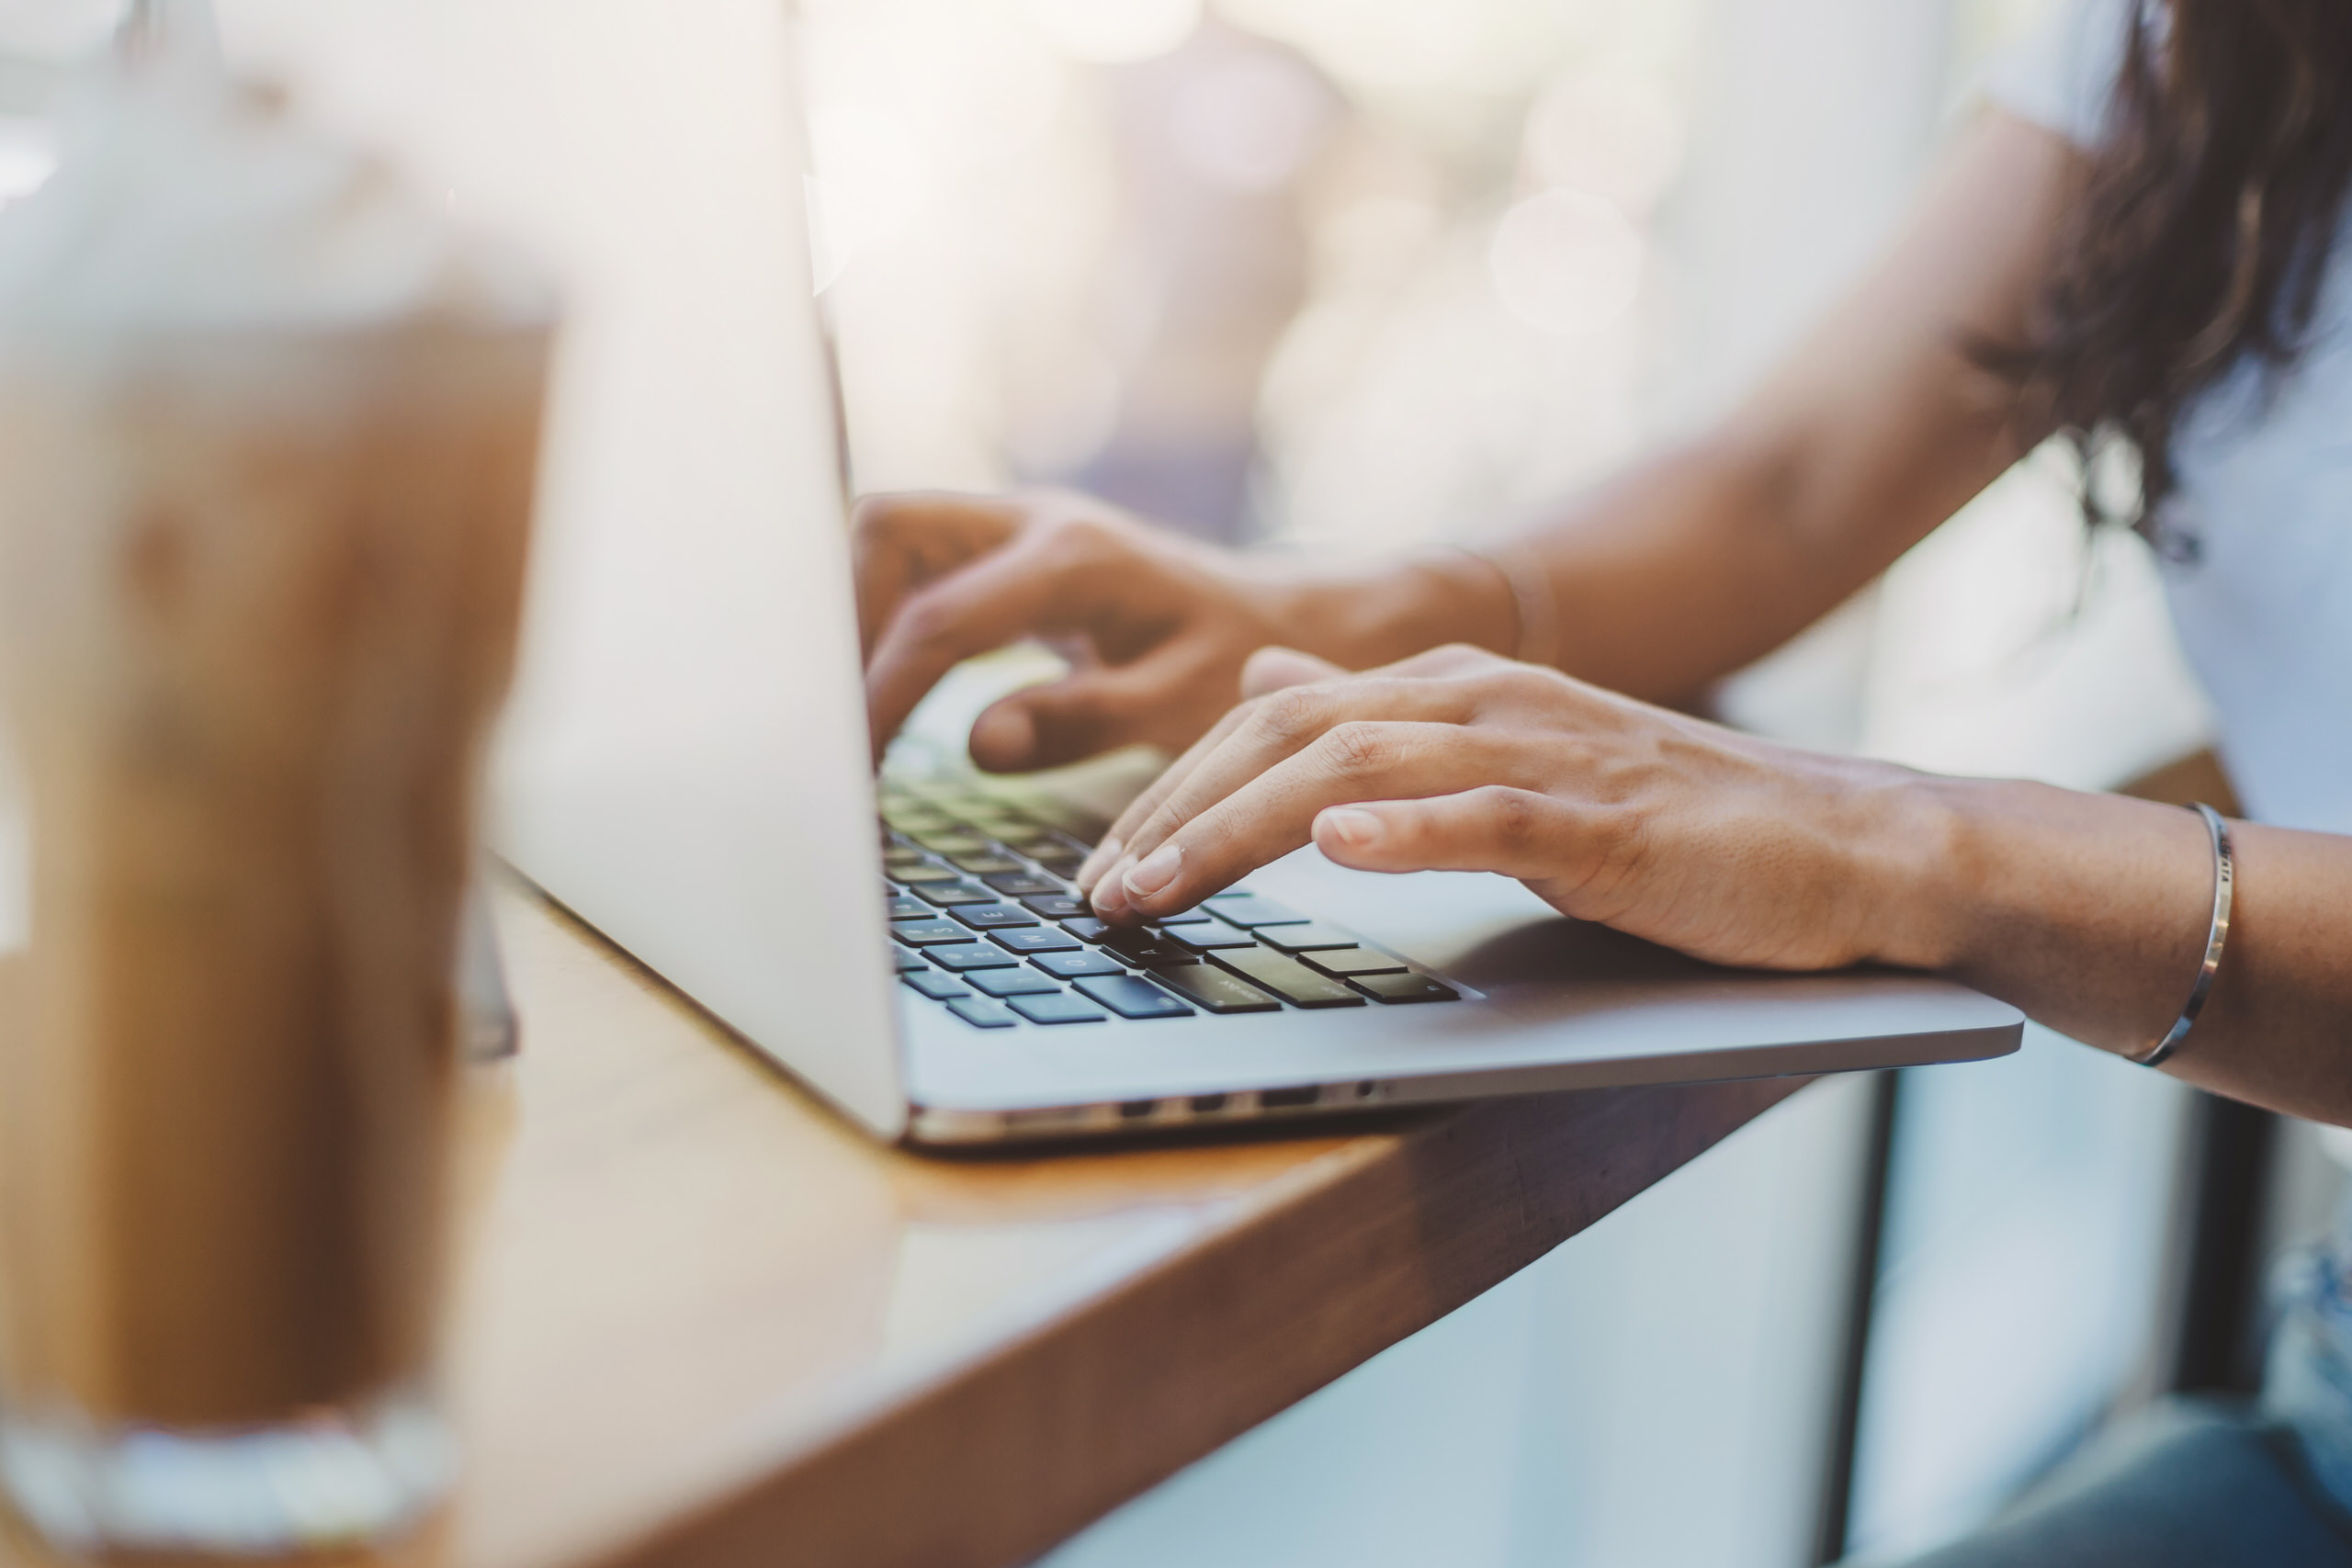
x=684, y=764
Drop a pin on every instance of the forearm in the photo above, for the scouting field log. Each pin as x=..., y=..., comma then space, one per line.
x=1669, y=575
x=1666, y=578
x=2091, y=913
x=1689, y=566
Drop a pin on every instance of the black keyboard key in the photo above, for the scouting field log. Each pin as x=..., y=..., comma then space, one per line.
x=1192, y=917
x=1057, y=907
x=947, y=895
x=981, y=1013
x=902, y=907
x=957, y=841
x=1406, y=987
x=905, y=959
x=1025, y=885
x=1144, y=948
x=937, y=987
x=1131, y=997
x=1070, y=965
x=1013, y=983
x=970, y=955
x=1208, y=936
x=1250, y=911
x=929, y=933
x=1056, y=858
x=1353, y=961
x=1216, y=991
x=986, y=863
x=993, y=917
x=1289, y=979
x=1034, y=939
x=921, y=873
x=1086, y=928
x=1314, y=936
x=1059, y=1008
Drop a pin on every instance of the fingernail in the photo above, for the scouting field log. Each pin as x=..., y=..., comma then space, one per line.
x=1356, y=830
x=1111, y=895
x=1156, y=871
x=1089, y=870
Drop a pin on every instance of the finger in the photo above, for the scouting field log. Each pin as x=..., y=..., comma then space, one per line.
x=1517, y=832
x=1274, y=813
x=1272, y=668
x=1453, y=661
x=1089, y=712
x=979, y=607
x=1457, y=662
x=1275, y=728
x=899, y=541
x=1111, y=847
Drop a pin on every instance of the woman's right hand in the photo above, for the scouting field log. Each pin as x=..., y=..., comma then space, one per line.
x=1164, y=624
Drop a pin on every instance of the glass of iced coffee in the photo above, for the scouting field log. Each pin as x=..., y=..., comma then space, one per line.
x=267, y=436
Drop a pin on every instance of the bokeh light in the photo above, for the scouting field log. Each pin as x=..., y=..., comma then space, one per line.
x=1238, y=265
x=1115, y=31
x=1566, y=261
x=1618, y=134
x=1249, y=123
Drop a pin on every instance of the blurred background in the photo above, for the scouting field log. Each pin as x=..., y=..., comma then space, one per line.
x=1361, y=274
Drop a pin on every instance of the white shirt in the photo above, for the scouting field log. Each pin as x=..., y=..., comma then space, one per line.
x=2264, y=613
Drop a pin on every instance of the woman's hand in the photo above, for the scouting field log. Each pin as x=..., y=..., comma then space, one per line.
x=1164, y=624
x=1726, y=847
x=2088, y=911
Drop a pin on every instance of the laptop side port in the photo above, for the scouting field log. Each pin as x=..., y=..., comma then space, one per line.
x=1138, y=1110
x=1208, y=1104
x=1059, y=1118
x=1288, y=1099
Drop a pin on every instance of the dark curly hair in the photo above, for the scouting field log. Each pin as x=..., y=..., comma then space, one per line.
x=2203, y=238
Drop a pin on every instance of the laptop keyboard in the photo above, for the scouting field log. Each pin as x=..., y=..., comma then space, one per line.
x=985, y=922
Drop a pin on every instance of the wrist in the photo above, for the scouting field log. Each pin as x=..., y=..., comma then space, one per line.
x=1922, y=870
x=2091, y=910
x=1373, y=615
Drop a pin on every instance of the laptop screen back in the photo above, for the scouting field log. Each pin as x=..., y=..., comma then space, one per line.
x=684, y=760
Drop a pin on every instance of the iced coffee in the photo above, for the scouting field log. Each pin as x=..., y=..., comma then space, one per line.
x=267, y=434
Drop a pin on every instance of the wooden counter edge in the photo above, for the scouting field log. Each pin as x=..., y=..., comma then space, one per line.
x=996, y=1464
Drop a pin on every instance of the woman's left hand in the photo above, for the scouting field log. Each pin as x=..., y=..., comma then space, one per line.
x=1726, y=847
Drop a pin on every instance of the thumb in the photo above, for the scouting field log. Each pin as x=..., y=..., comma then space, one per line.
x=1272, y=668
x=1090, y=711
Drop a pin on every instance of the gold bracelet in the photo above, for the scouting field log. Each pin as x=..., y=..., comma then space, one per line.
x=2216, y=936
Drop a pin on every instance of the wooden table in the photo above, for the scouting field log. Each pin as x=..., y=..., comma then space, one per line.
x=706, y=1321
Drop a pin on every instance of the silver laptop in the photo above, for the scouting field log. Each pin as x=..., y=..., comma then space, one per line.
x=685, y=765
